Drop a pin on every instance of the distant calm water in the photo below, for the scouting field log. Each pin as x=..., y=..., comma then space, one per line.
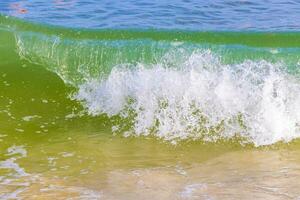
x=265, y=15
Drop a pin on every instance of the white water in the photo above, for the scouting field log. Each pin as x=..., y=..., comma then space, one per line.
x=201, y=98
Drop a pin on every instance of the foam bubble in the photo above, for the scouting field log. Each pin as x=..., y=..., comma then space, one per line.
x=200, y=98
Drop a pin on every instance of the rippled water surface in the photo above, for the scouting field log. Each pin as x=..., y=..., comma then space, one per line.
x=218, y=15
x=111, y=105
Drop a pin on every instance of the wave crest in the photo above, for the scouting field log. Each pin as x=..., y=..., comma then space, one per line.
x=200, y=98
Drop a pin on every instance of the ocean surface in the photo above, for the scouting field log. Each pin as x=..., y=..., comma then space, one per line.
x=149, y=100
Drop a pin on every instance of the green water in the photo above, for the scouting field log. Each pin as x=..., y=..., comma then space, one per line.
x=67, y=147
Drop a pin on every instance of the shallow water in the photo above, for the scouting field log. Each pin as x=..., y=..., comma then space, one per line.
x=149, y=113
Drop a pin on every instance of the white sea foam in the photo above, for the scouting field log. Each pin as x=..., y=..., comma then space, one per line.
x=201, y=98
x=10, y=179
x=188, y=190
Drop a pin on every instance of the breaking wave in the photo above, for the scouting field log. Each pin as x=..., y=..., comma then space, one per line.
x=175, y=85
x=201, y=98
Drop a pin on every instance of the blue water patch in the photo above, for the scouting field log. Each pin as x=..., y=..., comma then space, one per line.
x=277, y=15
